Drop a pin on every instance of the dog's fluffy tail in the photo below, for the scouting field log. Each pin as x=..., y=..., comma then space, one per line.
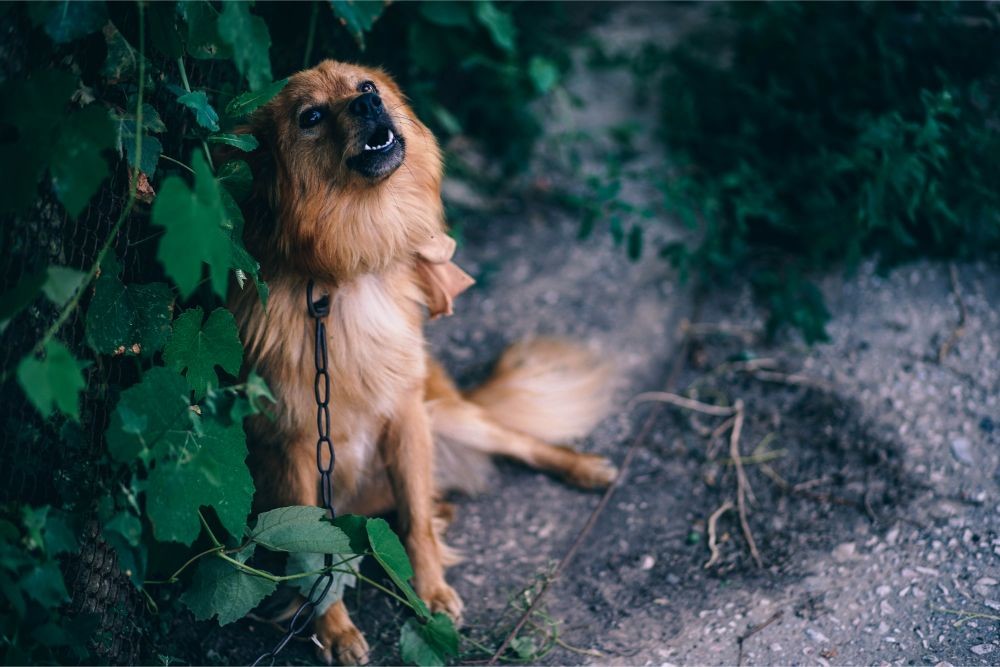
x=549, y=389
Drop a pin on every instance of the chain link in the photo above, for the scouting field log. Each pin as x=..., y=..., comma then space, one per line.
x=325, y=459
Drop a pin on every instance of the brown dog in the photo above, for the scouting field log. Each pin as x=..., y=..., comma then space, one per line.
x=348, y=194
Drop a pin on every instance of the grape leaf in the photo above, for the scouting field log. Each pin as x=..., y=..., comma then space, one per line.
x=244, y=142
x=127, y=319
x=250, y=40
x=70, y=19
x=154, y=410
x=195, y=235
x=220, y=589
x=310, y=562
x=391, y=555
x=20, y=296
x=53, y=382
x=206, y=468
x=77, y=166
x=62, y=283
x=199, y=349
x=203, y=39
x=499, y=24
x=357, y=16
x=245, y=104
x=428, y=644
x=236, y=178
x=204, y=113
x=299, y=529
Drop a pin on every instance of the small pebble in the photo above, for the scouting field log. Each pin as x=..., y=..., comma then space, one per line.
x=982, y=649
x=961, y=449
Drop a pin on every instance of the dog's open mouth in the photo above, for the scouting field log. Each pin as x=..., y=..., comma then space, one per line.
x=381, y=153
x=380, y=139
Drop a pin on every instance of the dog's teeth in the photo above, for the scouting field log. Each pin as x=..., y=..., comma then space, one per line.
x=367, y=147
x=389, y=140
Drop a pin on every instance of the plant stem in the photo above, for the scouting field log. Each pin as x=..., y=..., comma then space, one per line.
x=173, y=578
x=383, y=589
x=187, y=87
x=177, y=162
x=208, y=530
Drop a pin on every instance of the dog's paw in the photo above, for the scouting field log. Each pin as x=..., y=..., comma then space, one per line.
x=348, y=645
x=443, y=598
x=591, y=471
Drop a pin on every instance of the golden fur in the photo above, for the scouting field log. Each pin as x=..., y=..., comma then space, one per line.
x=402, y=431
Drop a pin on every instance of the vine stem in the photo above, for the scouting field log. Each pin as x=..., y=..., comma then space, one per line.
x=187, y=87
x=74, y=301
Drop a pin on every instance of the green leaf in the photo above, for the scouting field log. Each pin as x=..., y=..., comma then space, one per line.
x=498, y=24
x=77, y=166
x=205, y=469
x=250, y=40
x=428, y=644
x=151, y=146
x=300, y=529
x=203, y=40
x=543, y=73
x=244, y=142
x=448, y=14
x=391, y=555
x=204, y=114
x=236, y=178
x=72, y=19
x=247, y=103
x=20, y=296
x=220, y=589
x=44, y=582
x=357, y=16
x=122, y=61
x=62, y=283
x=299, y=563
x=124, y=533
x=154, y=411
x=163, y=29
x=198, y=349
x=194, y=222
x=194, y=462
x=127, y=319
x=353, y=526
x=37, y=108
x=53, y=382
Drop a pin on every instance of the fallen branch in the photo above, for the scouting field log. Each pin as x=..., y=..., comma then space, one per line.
x=713, y=522
x=751, y=632
x=681, y=402
x=963, y=313
x=742, y=484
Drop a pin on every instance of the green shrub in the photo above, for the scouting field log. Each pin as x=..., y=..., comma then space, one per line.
x=810, y=135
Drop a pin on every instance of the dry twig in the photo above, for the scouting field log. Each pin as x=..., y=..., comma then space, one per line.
x=743, y=490
x=682, y=402
x=713, y=524
x=959, y=329
x=751, y=632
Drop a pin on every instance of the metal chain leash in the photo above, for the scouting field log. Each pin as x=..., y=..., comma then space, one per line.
x=325, y=459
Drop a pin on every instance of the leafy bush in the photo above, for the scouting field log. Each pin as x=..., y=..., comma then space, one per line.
x=806, y=135
x=121, y=236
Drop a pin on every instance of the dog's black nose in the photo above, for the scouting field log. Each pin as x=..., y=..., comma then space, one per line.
x=367, y=106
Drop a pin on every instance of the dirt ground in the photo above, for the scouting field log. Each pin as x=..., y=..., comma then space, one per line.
x=874, y=466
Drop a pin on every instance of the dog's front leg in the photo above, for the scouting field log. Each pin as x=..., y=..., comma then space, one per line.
x=408, y=450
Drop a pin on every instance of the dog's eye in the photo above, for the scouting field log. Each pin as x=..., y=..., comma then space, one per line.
x=311, y=117
x=367, y=87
